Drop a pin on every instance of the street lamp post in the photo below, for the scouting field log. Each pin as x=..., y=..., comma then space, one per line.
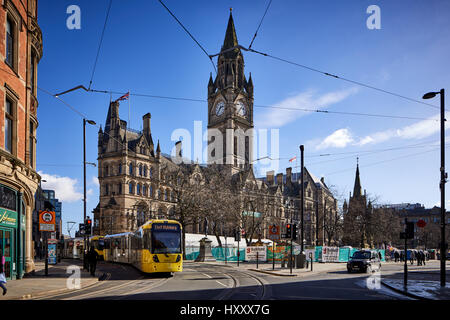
x=84, y=185
x=302, y=205
x=443, y=255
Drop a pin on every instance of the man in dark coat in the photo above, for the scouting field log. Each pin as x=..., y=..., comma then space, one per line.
x=92, y=259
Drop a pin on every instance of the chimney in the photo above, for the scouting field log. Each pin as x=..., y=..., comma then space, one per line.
x=178, y=149
x=269, y=176
x=146, y=119
x=322, y=180
x=288, y=175
x=280, y=179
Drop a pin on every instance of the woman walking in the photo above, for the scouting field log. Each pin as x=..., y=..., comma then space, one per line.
x=2, y=273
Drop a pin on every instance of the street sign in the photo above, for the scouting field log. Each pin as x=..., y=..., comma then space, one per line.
x=421, y=223
x=47, y=221
x=274, y=232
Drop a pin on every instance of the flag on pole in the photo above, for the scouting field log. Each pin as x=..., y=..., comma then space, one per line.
x=124, y=97
x=294, y=158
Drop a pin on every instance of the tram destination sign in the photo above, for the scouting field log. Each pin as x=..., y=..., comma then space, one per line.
x=165, y=227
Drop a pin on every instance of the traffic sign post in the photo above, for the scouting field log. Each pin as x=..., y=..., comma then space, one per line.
x=274, y=234
x=46, y=224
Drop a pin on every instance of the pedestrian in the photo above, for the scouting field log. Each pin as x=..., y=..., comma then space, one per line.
x=92, y=258
x=412, y=256
x=419, y=258
x=2, y=273
x=396, y=255
x=425, y=256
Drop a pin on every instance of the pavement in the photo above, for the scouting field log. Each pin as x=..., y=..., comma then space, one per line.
x=58, y=280
x=423, y=281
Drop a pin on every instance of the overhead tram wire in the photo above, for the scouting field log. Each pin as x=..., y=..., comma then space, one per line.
x=339, y=77
x=383, y=161
x=190, y=35
x=100, y=44
x=259, y=26
x=269, y=107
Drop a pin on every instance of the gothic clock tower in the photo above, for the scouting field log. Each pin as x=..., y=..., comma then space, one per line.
x=230, y=108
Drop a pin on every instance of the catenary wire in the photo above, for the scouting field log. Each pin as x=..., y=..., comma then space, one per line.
x=100, y=44
x=190, y=35
x=259, y=26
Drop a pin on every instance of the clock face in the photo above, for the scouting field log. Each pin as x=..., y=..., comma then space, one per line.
x=241, y=109
x=220, y=108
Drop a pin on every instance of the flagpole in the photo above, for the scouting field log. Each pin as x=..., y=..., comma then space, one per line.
x=129, y=120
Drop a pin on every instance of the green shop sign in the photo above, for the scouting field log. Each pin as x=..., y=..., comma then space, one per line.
x=8, y=218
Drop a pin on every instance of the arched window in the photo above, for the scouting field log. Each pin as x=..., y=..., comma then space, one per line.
x=120, y=168
x=144, y=190
x=106, y=189
x=106, y=171
x=151, y=172
x=140, y=169
x=158, y=194
x=151, y=191
x=138, y=188
x=119, y=188
x=165, y=195
x=130, y=188
x=131, y=169
x=145, y=171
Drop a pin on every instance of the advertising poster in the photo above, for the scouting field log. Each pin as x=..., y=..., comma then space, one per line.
x=330, y=254
x=253, y=253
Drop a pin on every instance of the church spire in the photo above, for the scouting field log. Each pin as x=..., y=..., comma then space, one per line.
x=357, y=188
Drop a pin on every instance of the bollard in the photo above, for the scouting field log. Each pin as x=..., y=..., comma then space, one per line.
x=311, y=257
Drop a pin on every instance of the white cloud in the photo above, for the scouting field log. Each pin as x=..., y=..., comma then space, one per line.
x=338, y=139
x=95, y=181
x=276, y=118
x=64, y=187
x=418, y=130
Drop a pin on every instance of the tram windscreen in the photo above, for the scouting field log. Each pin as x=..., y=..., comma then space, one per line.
x=166, y=238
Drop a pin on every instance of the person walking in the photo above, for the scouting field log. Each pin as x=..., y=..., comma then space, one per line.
x=396, y=255
x=419, y=258
x=412, y=256
x=92, y=258
x=2, y=273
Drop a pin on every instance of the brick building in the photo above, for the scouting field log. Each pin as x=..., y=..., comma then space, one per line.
x=20, y=52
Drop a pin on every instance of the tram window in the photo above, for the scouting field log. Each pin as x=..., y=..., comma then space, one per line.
x=101, y=244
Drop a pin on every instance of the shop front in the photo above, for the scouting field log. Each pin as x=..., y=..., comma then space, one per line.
x=12, y=232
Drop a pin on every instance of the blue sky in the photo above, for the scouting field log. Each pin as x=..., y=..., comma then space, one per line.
x=145, y=51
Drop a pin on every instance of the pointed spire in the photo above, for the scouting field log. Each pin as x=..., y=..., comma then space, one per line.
x=211, y=82
x=158, y=149
x=230, y=40
x=357, y=187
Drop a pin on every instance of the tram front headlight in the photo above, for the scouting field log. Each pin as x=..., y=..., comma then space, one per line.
x=178, y=258
x=155, y=258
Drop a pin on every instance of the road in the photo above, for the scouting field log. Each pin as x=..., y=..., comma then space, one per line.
x=219, y=282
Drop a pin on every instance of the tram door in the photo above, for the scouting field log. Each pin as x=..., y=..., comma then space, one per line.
x=7, y=246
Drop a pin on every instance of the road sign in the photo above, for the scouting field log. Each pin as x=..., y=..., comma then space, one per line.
x=421, y=223
x=47, y=221
x=274, y=232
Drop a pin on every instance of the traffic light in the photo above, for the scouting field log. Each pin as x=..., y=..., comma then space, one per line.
x=88, y=226
x=81, y=228
x=294, y=231
x=237, y=235
x=409, y=230
x=289, y=230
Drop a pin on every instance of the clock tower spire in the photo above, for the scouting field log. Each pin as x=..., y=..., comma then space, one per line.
x=230, y=107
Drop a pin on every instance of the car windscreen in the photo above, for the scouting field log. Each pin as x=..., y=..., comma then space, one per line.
x=166, y=238
x=361, y=255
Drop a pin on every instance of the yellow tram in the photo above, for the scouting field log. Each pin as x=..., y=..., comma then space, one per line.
x=154, y=247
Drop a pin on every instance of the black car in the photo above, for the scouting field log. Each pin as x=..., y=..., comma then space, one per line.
x=364, y=261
